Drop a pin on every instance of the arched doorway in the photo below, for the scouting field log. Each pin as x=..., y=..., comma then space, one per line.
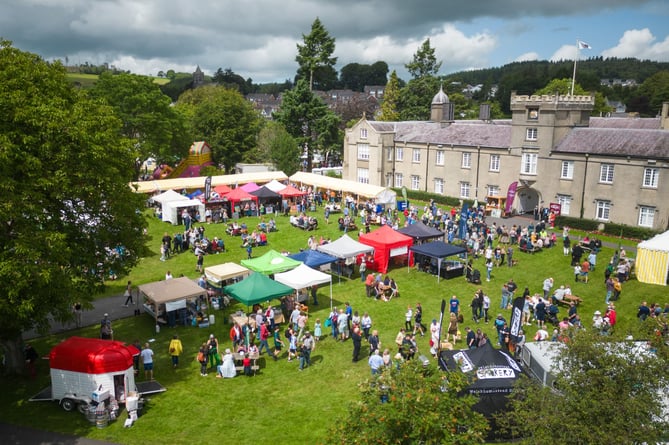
x=526, y=200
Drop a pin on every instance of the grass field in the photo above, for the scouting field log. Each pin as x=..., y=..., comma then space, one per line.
x=88, y=80
x=282, y=405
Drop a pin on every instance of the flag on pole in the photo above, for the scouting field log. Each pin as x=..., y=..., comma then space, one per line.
x=583, y=45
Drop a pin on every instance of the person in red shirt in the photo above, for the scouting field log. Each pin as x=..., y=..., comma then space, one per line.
x=611, y=313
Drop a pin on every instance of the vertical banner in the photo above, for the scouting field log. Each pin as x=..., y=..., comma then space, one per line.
x=516, y=318
x=510, y=195
x=556, y=208
x=207, y=188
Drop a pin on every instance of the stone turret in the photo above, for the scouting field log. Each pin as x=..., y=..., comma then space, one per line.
x=441, y=109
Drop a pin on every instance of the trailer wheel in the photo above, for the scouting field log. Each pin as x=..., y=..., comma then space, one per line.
x=68, y=404
x=82, y=407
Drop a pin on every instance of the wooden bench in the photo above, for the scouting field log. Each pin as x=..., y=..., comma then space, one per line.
x=568, y=299
x=254, y=368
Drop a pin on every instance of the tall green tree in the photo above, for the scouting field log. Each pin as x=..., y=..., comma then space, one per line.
x=230, y=79
x=68, y=216
x=147, y=115
x=356, y=76
x=609, y=390
x=306, y=118
x=416, y=97
x=424, y=62
x=275, y=144
x=224, y=119
x=648, y=99
x=391, y=95
x=314, y=57
x=422, y=405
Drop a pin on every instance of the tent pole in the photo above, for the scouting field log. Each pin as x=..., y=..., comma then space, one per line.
x=330, y=295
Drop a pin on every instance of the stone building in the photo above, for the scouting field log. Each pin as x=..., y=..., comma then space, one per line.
x=606, y=169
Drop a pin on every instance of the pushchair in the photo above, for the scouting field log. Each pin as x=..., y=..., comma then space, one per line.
x=474, y=276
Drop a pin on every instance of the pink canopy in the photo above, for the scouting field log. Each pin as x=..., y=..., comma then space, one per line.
x=250, y=187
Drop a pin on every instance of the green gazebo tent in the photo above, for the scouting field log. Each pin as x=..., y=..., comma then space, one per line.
x=270, y=263
x=257, y=288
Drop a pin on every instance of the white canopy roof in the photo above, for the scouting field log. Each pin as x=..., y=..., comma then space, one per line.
x=225, y=271
x=169, y=196
x=302, y=276
x=198, y=181
x=275, y=185
x=658, y=242
x=356, y=188
x=345, y=247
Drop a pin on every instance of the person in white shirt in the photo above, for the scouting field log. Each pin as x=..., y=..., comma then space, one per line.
x=147, y=359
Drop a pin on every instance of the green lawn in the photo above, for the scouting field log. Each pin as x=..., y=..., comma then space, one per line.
x=281, y=404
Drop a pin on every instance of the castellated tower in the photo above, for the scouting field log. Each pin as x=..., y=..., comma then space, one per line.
x=540, y=122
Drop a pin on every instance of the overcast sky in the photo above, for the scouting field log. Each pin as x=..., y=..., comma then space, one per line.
x=257, y=38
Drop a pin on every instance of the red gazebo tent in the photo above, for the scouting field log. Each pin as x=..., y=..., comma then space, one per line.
x=387, y=243
x=291, y=192
x=238, y=195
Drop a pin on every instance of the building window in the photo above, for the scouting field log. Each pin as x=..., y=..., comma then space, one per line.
x=363, y=152
x=533, y=114
x=466, y=160
x=439, y=186
x=650, y=177
x=399, y=180
x=494, y=163
x=565, y=204
x=399, y=154
x=464, y=190
x=493, y=190
x=529, y=164
x=363, y=133
x=415, y=182
x=606, y=173
x=531, y=134
x=416, y=155
x=440, y=157
x=646, y=216
x=363, y=175
x=567, y=171
x=603, y=210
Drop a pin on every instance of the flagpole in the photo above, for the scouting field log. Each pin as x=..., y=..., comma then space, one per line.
x=573, y=77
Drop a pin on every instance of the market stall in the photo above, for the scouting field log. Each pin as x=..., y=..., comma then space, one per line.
x=439, y=250
x=387, y=243
x=303, y=277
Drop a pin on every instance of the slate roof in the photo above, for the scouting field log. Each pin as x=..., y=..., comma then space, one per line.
x=651, y=144
x=625, y=123
x=463, y=133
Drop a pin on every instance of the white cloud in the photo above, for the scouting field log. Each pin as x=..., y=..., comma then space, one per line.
x=640, y=43
x=566, y=52
x=526, y=57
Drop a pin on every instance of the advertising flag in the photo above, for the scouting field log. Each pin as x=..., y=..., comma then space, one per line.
x=510, y=195
x=207, y=188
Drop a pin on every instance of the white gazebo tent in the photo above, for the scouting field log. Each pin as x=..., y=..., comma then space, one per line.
x=172, y=209
x=168, y=196
x=652, y=260
x=345, y=248
x=304, y=276
x=275, y=186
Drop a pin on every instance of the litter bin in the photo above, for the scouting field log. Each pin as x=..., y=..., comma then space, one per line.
x=212, y=319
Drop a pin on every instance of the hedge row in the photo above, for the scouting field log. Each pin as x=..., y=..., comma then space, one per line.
x=612, y=229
